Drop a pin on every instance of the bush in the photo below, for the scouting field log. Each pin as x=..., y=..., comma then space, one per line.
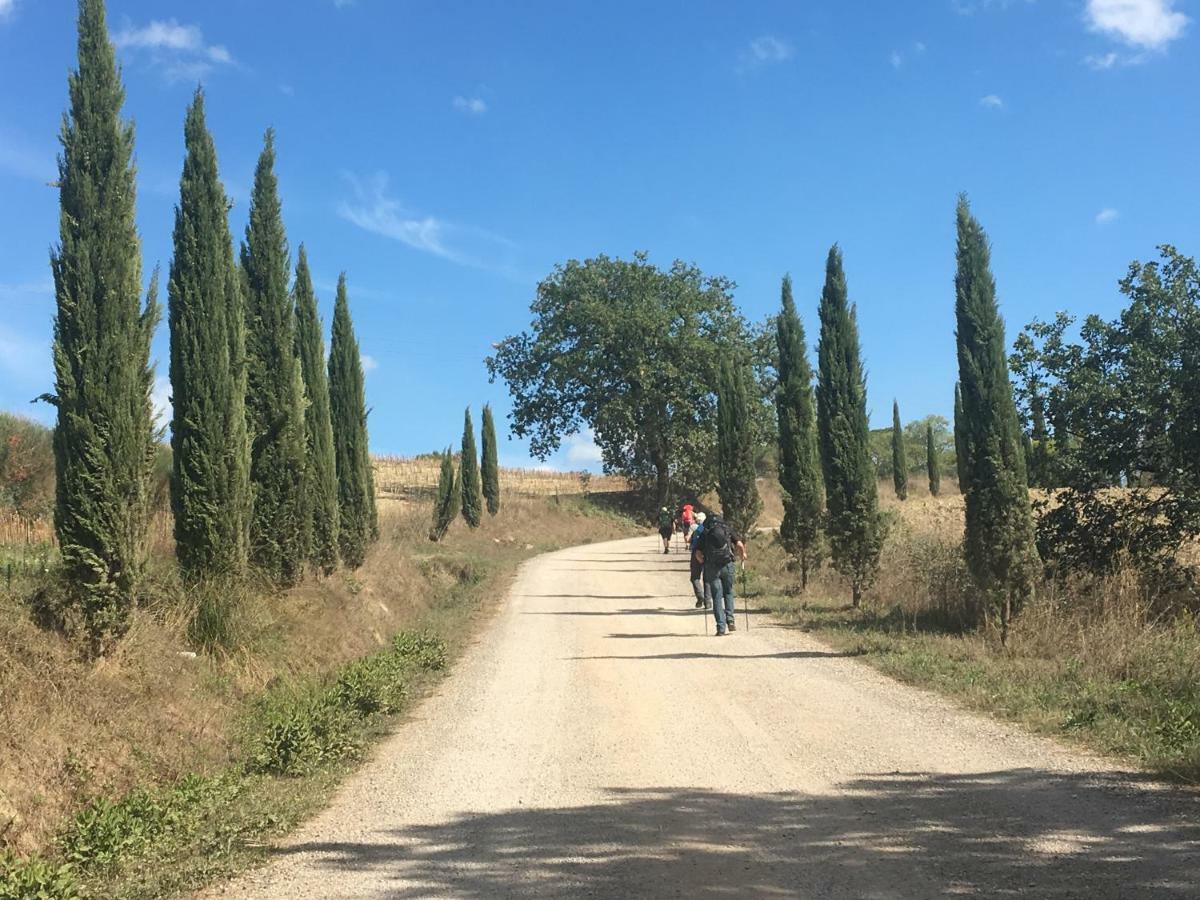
x=36, y=879
x=26, y=466
x=105, y=830
x=423, y=650
x=299, y=733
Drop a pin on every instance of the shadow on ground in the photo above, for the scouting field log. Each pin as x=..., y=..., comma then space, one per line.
x=1017, y=832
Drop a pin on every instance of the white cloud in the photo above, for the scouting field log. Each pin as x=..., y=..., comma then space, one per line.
x=991, y=101
x=766, y=50
x=1149, y=24
x=179, y=50
x=896, y=59
x=582, y=450
x=919, y=47
x=473, y=105
x=369, y=363
x=373, y=210
x=6, y=8
x=1107, y=216
x=1100, y=62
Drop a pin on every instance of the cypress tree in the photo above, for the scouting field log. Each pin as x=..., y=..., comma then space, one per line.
x=932, y=464
x=446, y=506
x=799, y=463
x=740, y=503
x=347, y=401
x=104, y=440
x=960, y=440
x=275, y=386
x=854, y=526
x=999, y=541
x=491, y=469
x=210, y=491
x=320, y=494
x=472, y=491
x=899, y=455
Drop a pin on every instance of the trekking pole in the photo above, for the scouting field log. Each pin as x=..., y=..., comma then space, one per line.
x=745, y=599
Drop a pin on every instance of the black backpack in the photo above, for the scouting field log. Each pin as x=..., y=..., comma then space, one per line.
x=717, y=549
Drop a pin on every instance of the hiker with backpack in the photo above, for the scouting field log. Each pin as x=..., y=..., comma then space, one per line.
x=720, y=548
x=666, y=528
x=696, y=576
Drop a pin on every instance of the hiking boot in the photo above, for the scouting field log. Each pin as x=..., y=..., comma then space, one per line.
x=700, y=603
x=720, y=634
x=731, y=626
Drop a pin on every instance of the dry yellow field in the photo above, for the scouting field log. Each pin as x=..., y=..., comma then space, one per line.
x=414, y=478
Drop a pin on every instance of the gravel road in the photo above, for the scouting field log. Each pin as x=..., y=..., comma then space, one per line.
x=597, y=743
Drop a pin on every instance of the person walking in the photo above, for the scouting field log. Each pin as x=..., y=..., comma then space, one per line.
x=696, y=576
x=666, y=528
x=720, y=548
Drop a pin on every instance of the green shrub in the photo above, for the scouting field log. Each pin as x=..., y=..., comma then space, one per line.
x=105, y=830
x=299, y=733
x=36, y=879
x=423, y=650
x=372, y=685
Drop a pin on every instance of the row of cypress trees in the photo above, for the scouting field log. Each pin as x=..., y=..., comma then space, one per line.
x=475, y=484
x=270, y=463
x=999, y=540
x=900, y=458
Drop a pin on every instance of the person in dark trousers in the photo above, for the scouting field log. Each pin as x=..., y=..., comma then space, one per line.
x=720, y=548
x=703, y=598
x=666, y=528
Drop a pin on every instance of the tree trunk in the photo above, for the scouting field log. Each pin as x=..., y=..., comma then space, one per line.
x=804, y=571
x=662, y=486
x=856, y=594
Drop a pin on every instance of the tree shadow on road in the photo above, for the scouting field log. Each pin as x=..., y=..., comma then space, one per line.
x=1016, y=832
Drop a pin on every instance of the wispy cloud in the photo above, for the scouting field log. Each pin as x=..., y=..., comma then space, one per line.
x=179, y=50
x=373, y=209
x=1148, y=24
x=765, y=50
x=342, y=4
x=970, y=7
x=471, y=105
x=369, y=363
x=6, y=8
x=1107, y=216
x=582, y=449
x=991, y=101
x=896, y=59
x=31, y=292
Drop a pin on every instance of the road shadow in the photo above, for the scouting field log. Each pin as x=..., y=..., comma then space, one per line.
x=903, y=835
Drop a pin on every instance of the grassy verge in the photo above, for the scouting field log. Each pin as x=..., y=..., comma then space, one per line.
x=1086, y=664
x=278, y=710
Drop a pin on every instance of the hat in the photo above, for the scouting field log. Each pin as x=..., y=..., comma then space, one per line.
x=665, y=509
x=700, y=517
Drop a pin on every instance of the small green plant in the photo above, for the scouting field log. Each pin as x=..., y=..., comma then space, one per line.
x=423, y=650
x=106, y=830
x=36, y=879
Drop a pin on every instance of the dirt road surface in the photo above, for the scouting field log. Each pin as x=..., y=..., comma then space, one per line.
x=597, y=743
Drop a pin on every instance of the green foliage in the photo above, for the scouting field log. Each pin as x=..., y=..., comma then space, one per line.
x=1125, y=398
x=799, y=459
x=26, y=466
x=491, y=468
x=472, y=491
x=854, y=526
x=631, y=352
x=320, y=494
x=740, y=503
x=36, y=879
x=999, y=522
x=215, y=607
x=358, y=521
x=421, y=649
x=933, y=464
x=960, y=439
x=209, y=486
x=448, y=502
x=105, y=436
x=275, y=385
x=899, y=455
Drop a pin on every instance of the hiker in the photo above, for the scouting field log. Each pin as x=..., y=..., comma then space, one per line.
x=666, y=528
x=720, y=547
x=703, y=597
x=687, y=517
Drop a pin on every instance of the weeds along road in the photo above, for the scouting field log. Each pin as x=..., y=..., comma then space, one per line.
x=597, y=743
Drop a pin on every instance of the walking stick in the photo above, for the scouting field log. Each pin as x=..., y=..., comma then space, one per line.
x=745, y=599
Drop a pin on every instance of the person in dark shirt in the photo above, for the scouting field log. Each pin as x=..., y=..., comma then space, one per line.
x=720, y=549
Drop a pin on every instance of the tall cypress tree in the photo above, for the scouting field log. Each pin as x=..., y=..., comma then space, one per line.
x=854, y=526
x=210, y=491
x=275, y=385
x=960, y=440
x=999, y=541
x=320, y=496
x=446, y=505
x=799, y=462
x=740, y=503
x=899, y=455
x=104, y=440
x=490, y=468
x=933, y=465
x=472, y=490
x=347, y=402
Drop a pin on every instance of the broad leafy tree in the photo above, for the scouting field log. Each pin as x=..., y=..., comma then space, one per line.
x=104, y=440
x=740, y=502
x=490, y=468
x=320, y=469
x=210, y=489
x=854, y=526
x=999, y=540
x=799, y=459
x=630, y=351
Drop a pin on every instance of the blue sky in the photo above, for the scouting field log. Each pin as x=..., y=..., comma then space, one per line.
x=448, y=154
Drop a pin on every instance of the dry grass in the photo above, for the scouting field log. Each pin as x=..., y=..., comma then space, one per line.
x=156, y=710
x=405, y=478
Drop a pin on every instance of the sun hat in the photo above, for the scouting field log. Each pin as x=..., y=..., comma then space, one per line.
x=700, y=517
